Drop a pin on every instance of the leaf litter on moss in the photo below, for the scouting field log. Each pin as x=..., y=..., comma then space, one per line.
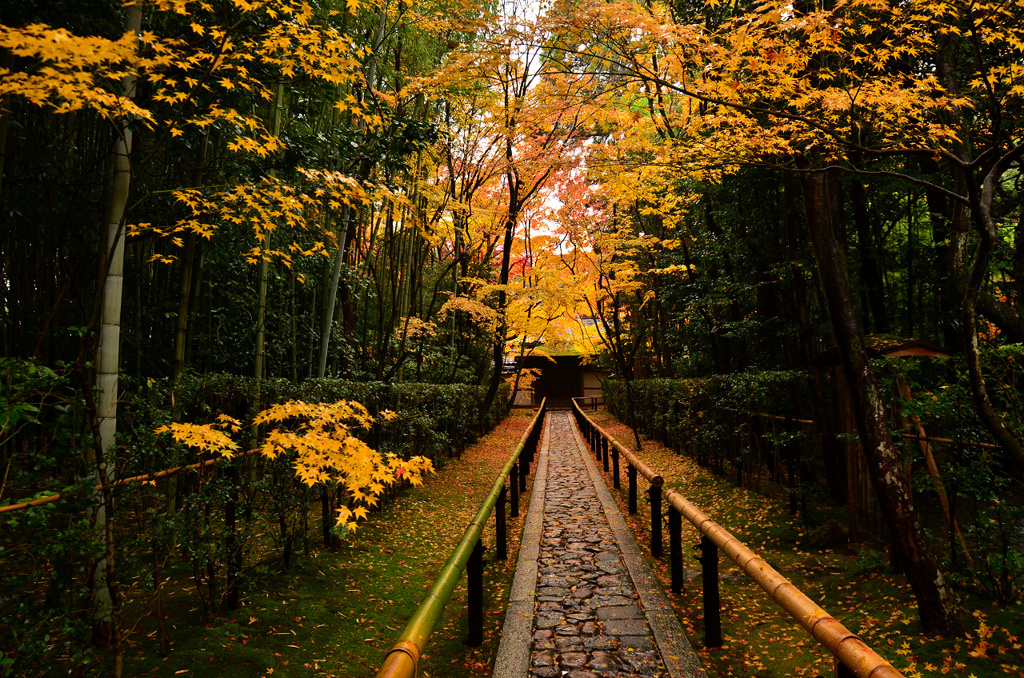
x=337, y=612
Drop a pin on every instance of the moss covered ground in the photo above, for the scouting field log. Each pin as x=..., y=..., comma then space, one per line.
x=336, y=612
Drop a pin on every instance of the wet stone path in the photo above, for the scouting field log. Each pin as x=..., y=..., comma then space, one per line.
x=588, y=621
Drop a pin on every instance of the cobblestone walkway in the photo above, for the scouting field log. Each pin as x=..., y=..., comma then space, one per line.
x=588, y=621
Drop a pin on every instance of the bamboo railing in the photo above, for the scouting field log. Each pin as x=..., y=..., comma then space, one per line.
x=852, y=656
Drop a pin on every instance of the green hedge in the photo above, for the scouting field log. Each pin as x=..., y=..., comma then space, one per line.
x=433, y=419
x=673, y=409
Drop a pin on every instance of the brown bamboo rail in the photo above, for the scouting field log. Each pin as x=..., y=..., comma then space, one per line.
x=849, y=651
x=643, y=469
x=124, y=481
x=604, y=446
x=402, y=660
x=844, y=645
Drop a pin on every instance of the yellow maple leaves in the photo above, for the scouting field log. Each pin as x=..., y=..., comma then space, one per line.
x=267, y=206
x=775, y=82
x=188, y=79
x=69, y=72
x=320, y=439
x=213, y=438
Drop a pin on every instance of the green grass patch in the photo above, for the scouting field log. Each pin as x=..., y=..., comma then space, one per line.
x=852, y=583
x=337, y=612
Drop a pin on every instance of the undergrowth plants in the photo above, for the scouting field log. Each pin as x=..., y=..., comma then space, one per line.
x=320, y=440
x=210, y=525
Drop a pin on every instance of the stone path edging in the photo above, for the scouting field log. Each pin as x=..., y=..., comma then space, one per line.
x=676, y=651
x=513, y=660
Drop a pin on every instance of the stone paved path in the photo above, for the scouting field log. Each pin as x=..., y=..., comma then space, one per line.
x=589, y=620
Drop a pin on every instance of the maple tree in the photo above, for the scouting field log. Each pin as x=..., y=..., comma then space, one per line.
x=320, y=438
x=828, y=97
x=535, y=134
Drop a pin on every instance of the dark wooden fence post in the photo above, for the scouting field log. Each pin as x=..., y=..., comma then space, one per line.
x=475, y=595
x=842, y=671
x=513, y=483
x=534, y=442
x=615, y=468
x=675, y=547
x=524, y=470
x=631, y=472
x=604, y=452
x=655, y=497
x=501, y=536
x=712, y=608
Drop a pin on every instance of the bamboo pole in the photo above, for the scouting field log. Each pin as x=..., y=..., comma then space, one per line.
x=124, y=481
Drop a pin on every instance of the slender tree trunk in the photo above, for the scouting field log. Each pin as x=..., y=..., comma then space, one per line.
x=347, y=214
x=104, y=599
x=626, y=365
x=264, y=269
x=259, y=366
x=1018, y=258
x=184, y=300
x=232, y=544
x=3, y=145
x=293, y=353
x=989, y=237
x=189, y=275
x=6, y=61
x=498, y=347
x=332, y=294
x=871, y=271
x=938, y=603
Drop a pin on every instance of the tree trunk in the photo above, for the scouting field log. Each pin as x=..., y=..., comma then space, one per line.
x=871, y=272
x=104, y=601
x=347, y=214
x=938, y=603
x=332, y=295
x=259, y=368
x=1018, y=258
x=184, y=300
x=989, y=238
x=498, y=349
x=293, y=348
